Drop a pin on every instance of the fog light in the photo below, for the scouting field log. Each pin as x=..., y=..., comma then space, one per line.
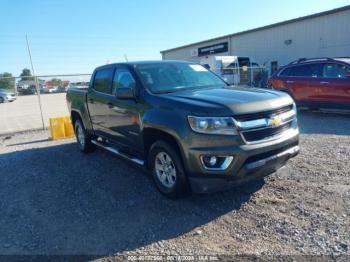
x=216, y=162
x=209, y=161
x=212, y=161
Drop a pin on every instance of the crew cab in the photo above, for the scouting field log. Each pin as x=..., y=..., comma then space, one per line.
x=185, y=124
x=316, y=82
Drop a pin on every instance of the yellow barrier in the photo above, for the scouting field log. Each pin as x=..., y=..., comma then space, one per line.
x=61, y=127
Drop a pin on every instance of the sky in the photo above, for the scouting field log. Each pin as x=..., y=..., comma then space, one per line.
x=75, y=36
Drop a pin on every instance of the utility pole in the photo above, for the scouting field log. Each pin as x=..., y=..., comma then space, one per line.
x=36, y=84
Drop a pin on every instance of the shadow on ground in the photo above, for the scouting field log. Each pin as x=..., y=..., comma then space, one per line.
x=324, y=122
x=56, y=201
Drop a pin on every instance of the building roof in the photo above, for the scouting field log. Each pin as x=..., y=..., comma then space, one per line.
x=329, y=12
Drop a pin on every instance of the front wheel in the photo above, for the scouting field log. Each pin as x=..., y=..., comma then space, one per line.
x=167, y=170
x=83, y=138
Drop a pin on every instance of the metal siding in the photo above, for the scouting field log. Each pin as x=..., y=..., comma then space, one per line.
x=327, y=35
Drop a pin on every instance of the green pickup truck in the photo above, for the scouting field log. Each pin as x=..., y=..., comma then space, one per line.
x=185, y=124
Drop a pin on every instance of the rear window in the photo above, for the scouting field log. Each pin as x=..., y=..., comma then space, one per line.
x=103, y=81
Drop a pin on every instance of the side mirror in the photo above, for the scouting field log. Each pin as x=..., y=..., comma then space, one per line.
x=125, y=93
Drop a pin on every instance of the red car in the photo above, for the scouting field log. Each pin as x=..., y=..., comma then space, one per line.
x=316, y=82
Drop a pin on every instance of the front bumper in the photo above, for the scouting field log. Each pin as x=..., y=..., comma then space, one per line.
x=250, y=162
x=9, y=98
x=248, y=172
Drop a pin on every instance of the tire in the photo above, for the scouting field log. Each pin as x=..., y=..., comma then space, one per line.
x=173, y=183
x=2, y=100
x=83, y=138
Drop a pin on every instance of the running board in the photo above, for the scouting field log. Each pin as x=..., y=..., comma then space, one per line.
x=116, y=151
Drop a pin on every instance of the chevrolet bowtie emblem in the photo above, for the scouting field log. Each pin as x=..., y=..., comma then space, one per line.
x=275, y=121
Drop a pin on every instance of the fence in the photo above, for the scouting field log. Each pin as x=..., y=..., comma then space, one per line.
x=255, y=76
x=26, y=106
x=29, y=102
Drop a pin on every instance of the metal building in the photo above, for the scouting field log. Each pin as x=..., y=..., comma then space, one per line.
x=325, y=34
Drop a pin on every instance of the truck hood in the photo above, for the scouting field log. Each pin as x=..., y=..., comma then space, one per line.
x=237, y=100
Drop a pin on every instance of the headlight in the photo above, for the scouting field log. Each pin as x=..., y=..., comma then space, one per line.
x=213, y=125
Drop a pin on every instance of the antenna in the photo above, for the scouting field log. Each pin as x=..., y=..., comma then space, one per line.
x=126, y=58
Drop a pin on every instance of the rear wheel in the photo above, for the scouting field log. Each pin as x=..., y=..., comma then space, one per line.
x=167, y=170
x=83, y=138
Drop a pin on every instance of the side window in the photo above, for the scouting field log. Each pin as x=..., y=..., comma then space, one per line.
x=103, y=80
x=123, y=79
x=334, y=70
x=303, y=70
x=309, y=70
x=287, y=71
x=315, y=70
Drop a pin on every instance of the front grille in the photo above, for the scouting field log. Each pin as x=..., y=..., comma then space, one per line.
x=265, y=114
x=265, y=133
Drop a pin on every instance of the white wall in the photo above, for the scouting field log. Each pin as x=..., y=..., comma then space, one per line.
x=327, y=35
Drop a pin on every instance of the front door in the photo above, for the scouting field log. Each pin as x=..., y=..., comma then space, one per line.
x=336, y=86
x=124, y=114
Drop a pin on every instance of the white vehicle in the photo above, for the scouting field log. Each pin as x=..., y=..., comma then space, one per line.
x=235, y=70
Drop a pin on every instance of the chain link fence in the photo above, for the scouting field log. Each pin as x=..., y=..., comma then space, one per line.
x=27, y=104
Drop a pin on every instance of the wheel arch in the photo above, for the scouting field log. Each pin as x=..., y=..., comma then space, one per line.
x=150, y=135
x=75, y=115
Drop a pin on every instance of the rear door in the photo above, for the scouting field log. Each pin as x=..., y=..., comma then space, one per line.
x=293, y=80
x=98, y=99
x=335, y=85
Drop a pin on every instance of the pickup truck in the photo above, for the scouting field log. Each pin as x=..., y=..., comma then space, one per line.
x=183, y=123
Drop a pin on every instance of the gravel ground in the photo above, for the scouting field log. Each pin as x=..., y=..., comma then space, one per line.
x=56, y=201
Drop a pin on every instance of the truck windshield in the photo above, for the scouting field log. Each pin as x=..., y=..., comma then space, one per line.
x=171, y=77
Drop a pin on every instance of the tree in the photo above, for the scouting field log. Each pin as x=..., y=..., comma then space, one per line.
x=6, y=82
x=26, y=75
x=56, y=82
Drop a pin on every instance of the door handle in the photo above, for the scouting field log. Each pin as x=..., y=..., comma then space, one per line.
x=90, y=100
x=290, y=82
x=110, y=105
x=324, y=82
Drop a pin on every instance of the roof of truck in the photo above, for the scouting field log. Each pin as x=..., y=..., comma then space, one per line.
x=133, y=63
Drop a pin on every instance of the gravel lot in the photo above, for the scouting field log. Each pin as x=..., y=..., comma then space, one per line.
x=55, y=200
